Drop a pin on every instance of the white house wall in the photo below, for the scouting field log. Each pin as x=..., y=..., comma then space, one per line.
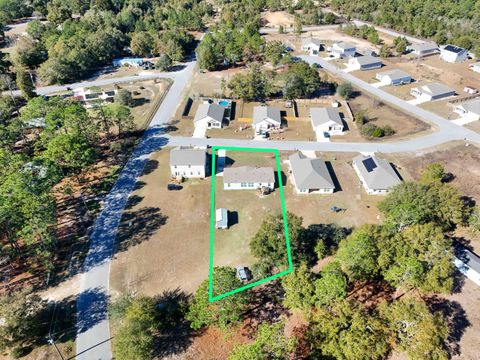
x=187, y=171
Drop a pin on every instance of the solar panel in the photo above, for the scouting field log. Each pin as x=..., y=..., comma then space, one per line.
x=369, y=164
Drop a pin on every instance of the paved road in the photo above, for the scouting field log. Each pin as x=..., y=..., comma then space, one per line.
x=446, y=129
x=93, y=333
x=45, y=90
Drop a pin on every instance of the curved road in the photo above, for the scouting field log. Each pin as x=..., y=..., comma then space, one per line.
x=93, y=333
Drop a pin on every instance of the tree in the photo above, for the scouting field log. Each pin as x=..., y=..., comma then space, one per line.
x=124, y=97
x=256, y=84
x=345, y=90
x=274, y=51
x=373, y=36
x=357, y=254
x=297, y=26
x=269, y=243
x=223, y=312
x=70, y=151
x=400, y=44
x=28, y=53
x=163, y=63
x=326, y=238
x=331, y=286
x=385, y=51
x=206, y=53
x=299, y=288
x=300, y=80
x=142, y=43
x=134, y=340
x=22, y=315
x=414, y=330
x=269, y=343
x=410, y=203
x=24, y=83
x=345, y=331
x=119, y=116
x=434, y=173
x=419, y=257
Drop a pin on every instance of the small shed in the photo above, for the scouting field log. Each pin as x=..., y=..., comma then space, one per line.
x=221, y=218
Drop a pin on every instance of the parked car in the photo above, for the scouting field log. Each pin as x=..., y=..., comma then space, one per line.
x=173, y=187
x=243, y=273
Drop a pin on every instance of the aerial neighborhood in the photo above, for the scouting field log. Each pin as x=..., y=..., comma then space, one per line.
x=193, y=179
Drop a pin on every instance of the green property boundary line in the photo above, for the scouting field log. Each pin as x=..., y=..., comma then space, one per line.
x=212, y=298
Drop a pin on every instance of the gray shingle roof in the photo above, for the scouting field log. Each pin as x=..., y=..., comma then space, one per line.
x=321, y=115
x=423, y=46
x=261, y=113
x=310, y=173
x=381, y=176
x=187, y=156
x=472, y=106
x=436, y=89
x=311, y=40
x=345, y=45
x=395, y=74
x=368, y=60
x=248, y=174
x=214, y=111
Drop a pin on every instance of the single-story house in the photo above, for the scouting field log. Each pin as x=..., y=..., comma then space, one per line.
x=221, y=218
x=188, y=162
x=266, y=117
x=471, y=109
x=310, y=175
x=311, y=44
x=89, y=96
x=423, y=49
x=326, y=120
x=475, y=67
x=209, y=116
x=453, y=54
x=468, y=264
x=342, y=49
x=365, y=63
x=376, y=175
x=127, y=62
x=394, y=77
x=248, y=178
x=432, y=91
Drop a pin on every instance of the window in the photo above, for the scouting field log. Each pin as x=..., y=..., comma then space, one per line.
x=243, y=184
x=250, y=184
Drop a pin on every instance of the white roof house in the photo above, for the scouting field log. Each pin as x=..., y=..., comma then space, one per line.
x=453, y=54
x=188, y=162
x=310, y=175
x=423, y=49
x=365, y=63
x=376, y=175
x=470, y=109
x=313, y=45
x=394, y=77
x=209, y=116
x=468, y=264
x=432, y=91
x=342, y=49
x=326, y=120
x=266, y=117
x=248, y=178
x=475, y=67
x=221, y=218
x=89, y=96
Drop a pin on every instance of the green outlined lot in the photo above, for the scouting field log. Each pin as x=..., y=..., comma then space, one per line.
x=289, y=265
